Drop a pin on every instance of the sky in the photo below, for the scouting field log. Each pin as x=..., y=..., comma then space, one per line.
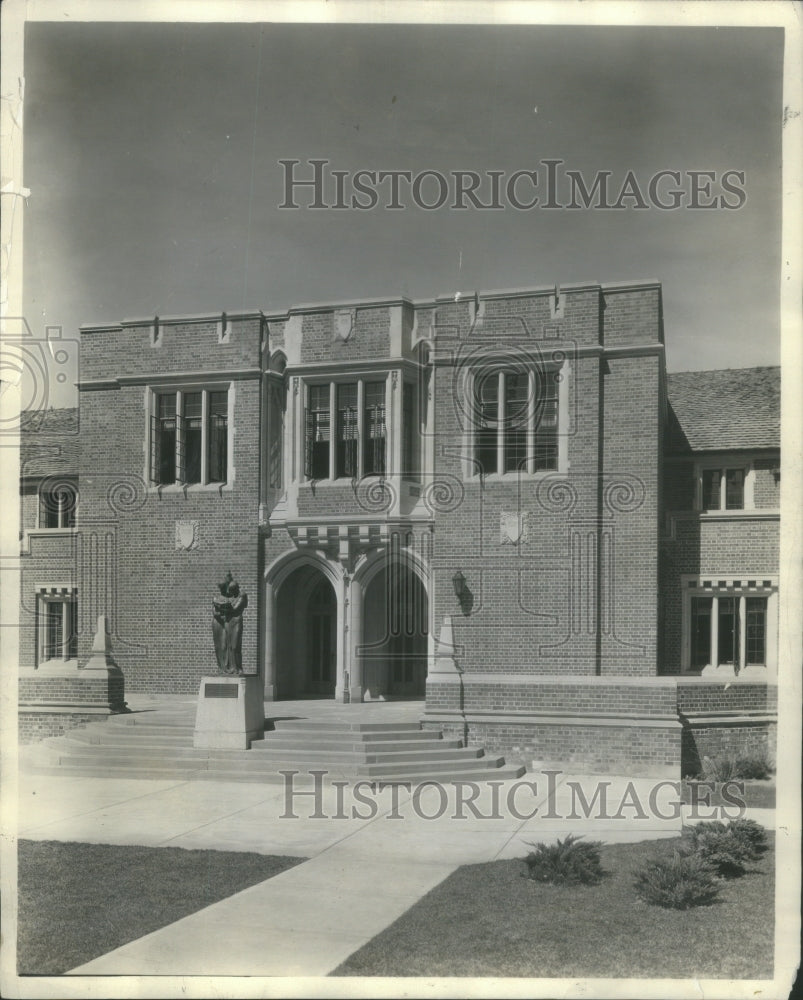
x=151, y=154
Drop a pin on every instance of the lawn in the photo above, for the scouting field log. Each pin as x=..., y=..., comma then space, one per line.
x=491, y=920
x=757, y=794
x=78, y=901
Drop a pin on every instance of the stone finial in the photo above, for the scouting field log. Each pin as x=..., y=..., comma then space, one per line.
x=444, y=661
x=101, y=658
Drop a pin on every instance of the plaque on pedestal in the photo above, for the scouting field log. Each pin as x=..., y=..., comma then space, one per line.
x=230, y=712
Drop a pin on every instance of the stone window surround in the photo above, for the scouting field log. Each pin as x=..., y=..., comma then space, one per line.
x=47, y=486
x=736, y=460
x=60, y=593
x=467, y=389
x=395, y=374
x=725, y=585
x=152, y=394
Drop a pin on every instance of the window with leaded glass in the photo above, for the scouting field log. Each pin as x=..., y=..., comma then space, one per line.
x=410, y=432
x=218, y=437
x=723, y=489
x=189, y=437
x=516, y=421
x=375, y=433
x=318, y=432
x=346, y=457
x=487, y=408
x=756, y=630
x=57, y=503
x=58, y=627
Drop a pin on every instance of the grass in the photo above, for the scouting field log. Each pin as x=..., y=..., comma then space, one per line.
x=757, y=794
x=79, y=901
x=491, y=920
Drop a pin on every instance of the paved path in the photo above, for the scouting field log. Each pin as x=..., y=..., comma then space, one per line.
x=363, y=873
x=370, y=858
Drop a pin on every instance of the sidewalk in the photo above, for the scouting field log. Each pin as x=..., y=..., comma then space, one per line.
x=363, y=873
x=372, y=853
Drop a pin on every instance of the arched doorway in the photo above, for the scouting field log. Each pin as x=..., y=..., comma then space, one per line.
x=306, y=638
x=395, y=634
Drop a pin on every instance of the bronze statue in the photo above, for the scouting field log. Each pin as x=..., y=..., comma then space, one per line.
x=227, y=625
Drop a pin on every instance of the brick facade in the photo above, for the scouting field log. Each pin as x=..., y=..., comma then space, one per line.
x=570, y=604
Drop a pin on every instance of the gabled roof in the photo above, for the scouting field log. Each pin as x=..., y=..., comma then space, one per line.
x=724, y=410
x=49, y=442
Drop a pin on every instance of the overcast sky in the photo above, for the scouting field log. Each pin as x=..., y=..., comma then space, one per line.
x=151, y=153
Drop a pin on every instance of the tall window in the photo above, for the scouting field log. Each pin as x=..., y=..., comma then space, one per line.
x=318, y=432
x=346, y=463
x=275, y=435
x=374, y=422
x=57, y=505
x=189, y=437
x=359, y=444
x=410, y=432
x=516, y=425
x=723, y=489
x=58, y=627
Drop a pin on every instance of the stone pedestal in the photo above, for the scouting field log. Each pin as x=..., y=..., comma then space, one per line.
x=230, y=712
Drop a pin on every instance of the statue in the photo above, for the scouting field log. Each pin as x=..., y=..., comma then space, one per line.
x=227, y=625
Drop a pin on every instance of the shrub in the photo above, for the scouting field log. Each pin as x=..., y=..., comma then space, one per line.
x=678, y=883
x=722, y=848
x=719, y=768
x=755, y=766
x=752, y=834
x=568, y=862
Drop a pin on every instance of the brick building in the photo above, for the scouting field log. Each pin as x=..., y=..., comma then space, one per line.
x=497, y=503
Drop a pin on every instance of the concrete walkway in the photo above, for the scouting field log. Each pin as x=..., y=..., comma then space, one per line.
x=373, y=853
x=363, y=873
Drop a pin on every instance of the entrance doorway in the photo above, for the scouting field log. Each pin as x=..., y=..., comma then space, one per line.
x=395, y=634
x=306, y=639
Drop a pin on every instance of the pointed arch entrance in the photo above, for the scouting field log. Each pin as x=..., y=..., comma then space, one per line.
x=395, y=634
x=306, y=637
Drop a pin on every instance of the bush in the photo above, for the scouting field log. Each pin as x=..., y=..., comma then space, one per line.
x=756, y=767
x=720, y=846
x=730, y=768
x=752, y=834
x=568, y=862
x=719, y=768
x=678, y=883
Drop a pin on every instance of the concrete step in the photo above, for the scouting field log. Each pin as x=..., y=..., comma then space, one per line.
x=111, y=752
x=153, y=719
x=274, y=740
x=167, y=738
x=320, y=758
x=170, y=762
x=506, y=773
x=306, y=725
x=432, y=767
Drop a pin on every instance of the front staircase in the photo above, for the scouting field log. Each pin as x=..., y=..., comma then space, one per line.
x=158, y=744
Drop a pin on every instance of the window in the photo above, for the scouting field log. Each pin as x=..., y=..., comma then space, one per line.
x=516, y=425
x=58, y=627
x=346, y=464
x=358, y=446
x=318, y=434
x=410, y=432
x=57, y=503
x=375, y=434
x=727, y=626
x=723, y=489
x=189, y=437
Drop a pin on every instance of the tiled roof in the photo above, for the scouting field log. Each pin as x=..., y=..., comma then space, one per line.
x=722, y=410
x=49, y=442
